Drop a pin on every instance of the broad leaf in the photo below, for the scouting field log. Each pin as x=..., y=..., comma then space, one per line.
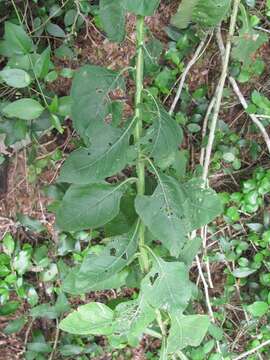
x=142, y=7
x=207, y=13
x=107, y=155
x=88, y=206
x=90, y=96
x=16, y=39
x=131, y=319
x=167, y=286
x=175, y=209
x=187, y=331
x=24, y=109
x=95, y=269
x=16, y=78
x=91, y=319
x=164, y=137
x=113, y=18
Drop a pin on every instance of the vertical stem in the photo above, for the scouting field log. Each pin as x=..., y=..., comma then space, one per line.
x=140, y=166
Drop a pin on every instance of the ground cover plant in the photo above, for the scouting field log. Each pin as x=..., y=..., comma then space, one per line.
x=134, y=179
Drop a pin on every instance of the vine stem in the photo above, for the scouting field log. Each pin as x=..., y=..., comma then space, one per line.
x=220, y=89
x=140, y=166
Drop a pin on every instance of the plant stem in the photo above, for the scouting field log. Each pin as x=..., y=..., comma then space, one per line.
x=140, y=166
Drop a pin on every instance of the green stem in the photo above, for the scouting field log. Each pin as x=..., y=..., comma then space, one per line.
x=140, y=166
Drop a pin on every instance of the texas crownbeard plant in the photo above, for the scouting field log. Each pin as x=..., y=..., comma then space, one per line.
x=145, y=218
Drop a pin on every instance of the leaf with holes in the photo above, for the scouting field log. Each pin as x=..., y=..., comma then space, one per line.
x=107, y=155
x=88, y=206
x=163, y=137
x=97, y=268
x=90, y=92
x=167, y=286
x=113, y=18
x=131, y=319
x=186, y=331
x=175, y=209
x=91, y=319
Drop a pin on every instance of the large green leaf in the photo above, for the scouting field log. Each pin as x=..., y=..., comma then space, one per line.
x=107, y=155
x=187, y=331
x=90, y=96
x=113, y=18
x=167, y=286
x=142, y=7
x=164, y=136
x=91, y=319
x=42, y=65
x=131, y=319
x=16, y=39
x=24, y=109
x=204, y=12
x=88, y=206
x=97, y=268
x=175, y=209
x=16, y=78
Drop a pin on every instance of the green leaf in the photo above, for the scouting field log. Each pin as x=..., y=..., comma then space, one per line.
x=91, y=319
x=88, y=206
x=142, y=7
x=55, y=30
x=25, y=109
x=8, y=244
x=207, y=13
x=21, y=262
x=42, y=64
x=17, y=40
x=15, y=326
x=187, y=331
x=262, y=102
x=164, y=136
x=90, y=96
x=175, y=209
x=130, y=321
x=107, y=155
x=15, y=77
x=113, y=19
x=39, y=347
x=95, y=269
x=44, y=311
x=167, y=286
x=190, y=250
x=243, y=272
x=258, y=308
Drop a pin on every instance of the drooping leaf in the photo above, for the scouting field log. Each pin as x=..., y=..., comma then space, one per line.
x=142, y=7
x=131, y=319
x=113, y=18
x=107, y=155
x=16, y=39
x=91, y=319
x=16, y=78
x=24, y=109
x=95, y=269
x=187, y=331
x=207, y=13
x=88, y=206
x=190, y=250
x=175, y=209
x=90, y=96
x=164, y=137
x=167, y=286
